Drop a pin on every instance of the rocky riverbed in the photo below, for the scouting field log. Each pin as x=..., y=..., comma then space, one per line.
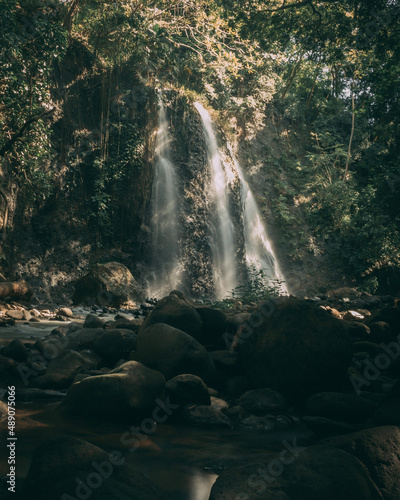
x=176, y=399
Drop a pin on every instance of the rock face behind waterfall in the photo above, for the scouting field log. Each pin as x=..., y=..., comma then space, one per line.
x=110, y=284
x=296, y=348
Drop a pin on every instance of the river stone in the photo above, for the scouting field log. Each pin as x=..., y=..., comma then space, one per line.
x=173, y=352
x=295, y=348
x=7, y=365
x=389, y=315
x=80, y=338
x=214, y=326
x=128, y=392
x=262, y=401
x=15, y=350
x=326, y=427
x=93, y=321
x=66, y=312
x=62, y=370
x=70, y=468
x=307, y=475
x=186, y=389
x=110, y=284
x=116, y=344
x=379, y=450
x=205, y=416
x=339, y=406
x=3, y=410
x=125, y=324
x=380, y=332
x=177, y=312
x=388, y=412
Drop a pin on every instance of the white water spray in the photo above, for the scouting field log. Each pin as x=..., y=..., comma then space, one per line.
x=258, y=250
x=223, y=238
x=164, y=223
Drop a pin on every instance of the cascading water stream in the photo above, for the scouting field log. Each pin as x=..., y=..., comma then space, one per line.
x=258, y=251
x=223, y=245
x=164, y=224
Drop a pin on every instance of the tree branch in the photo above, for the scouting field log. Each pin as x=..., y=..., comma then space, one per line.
x=10, y=143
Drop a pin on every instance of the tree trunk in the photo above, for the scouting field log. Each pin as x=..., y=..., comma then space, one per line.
x=346, y=172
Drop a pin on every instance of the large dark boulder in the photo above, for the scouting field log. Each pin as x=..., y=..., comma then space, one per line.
x=62, y=370
x=114, y=345
x=214, y=327
x=128, y=392
x=173, y=352
x=15, y=350
x=296, y=474
x=176, y=311
x=340, y=406
x=76, y=339
x=379, y=450
x=68, y=467
x=262, y=401
x=389, y=315
x=294, y=347
x=110, y=284
x=187, y=389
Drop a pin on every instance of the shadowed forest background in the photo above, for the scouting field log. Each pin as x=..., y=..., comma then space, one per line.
x=306, y=92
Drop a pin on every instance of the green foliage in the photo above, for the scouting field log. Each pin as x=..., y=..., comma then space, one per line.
x=327, y=71
x=31, y=38
x=254, y=288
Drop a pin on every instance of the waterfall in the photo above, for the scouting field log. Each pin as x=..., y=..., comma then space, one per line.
x=222, y=241
x=166, y=267
x=258, y=251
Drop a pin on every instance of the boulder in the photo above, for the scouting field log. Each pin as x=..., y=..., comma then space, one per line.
x=379, y=450
x=177, y=312
x=380, y=332
x=388, y=412
x=262, y=401
x=214, y=326
x=93, y=321
x=22, y=315
x=8, y=366
x=16, y=290
x=298, y=474
x=205, y=416
x=125, y=324
x=80, y=338
x=3, y=411
x=110, y=284
x=325, y=427
x=294, y=347
x=62, y=370
x=389, y=315
x=66, y=312
x=128, y=392
x=340, y=406
x=68, y=467
x=187, y=389
x=345, y=293
x=173, y=352
x=15, y=350
x=113, y=345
